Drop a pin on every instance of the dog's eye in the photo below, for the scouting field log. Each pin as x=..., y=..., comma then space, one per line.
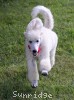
x=37, y=41
x=30, y=41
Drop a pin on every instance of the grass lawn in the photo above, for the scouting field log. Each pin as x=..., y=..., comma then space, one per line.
x=59, y=84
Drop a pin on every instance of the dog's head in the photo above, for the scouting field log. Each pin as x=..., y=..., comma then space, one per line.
x=33, y=36
x=33, y=42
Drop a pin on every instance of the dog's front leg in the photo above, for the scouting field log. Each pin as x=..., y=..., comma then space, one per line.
x=45, y=66
x=33, y=74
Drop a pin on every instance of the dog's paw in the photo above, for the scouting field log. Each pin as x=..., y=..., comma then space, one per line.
x=44, y=72
x=34, y=84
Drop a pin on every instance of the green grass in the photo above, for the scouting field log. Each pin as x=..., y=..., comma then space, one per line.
x=14, y=17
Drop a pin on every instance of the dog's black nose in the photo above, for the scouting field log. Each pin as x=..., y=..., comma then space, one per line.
x=34, y=51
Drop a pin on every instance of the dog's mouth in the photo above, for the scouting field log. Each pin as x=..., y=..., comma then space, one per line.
x=35, y=54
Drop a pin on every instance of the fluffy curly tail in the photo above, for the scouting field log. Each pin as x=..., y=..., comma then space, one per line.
x=47, y=16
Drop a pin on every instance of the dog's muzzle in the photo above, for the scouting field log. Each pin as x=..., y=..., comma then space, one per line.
x=35, y=52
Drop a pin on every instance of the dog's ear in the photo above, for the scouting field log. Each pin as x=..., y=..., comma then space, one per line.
x=24, y=33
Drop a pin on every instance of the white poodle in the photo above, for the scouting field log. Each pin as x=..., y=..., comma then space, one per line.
x=41, y=43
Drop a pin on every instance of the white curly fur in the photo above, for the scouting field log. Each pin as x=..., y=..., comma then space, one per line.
x=47, y=15
x=48, y=43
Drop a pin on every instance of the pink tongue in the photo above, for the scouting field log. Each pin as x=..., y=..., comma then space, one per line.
x=39, y=50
